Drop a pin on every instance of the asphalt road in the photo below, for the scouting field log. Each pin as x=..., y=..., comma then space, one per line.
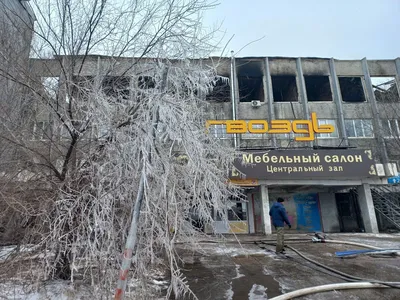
x=233, y=272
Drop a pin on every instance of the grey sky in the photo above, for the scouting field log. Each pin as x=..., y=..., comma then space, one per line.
x=343, y=29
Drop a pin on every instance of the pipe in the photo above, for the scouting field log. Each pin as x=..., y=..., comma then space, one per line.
x=330, y=287
x=351, y=243
x=233, y=95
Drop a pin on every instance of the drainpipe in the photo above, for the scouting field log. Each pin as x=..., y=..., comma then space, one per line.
x=303, y=93
x=377, y=117
x=269, y=96
x=337, y=96
x=233, y=95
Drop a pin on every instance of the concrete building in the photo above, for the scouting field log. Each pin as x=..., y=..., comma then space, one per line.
x=358, y=98
x=321, y=133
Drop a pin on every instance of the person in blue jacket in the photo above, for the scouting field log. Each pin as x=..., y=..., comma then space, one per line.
x=279, y=218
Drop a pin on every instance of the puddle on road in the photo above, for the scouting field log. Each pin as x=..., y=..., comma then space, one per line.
x=240, y=278
x=253, y=284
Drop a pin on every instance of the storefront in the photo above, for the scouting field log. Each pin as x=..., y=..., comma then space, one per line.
x=309, y=181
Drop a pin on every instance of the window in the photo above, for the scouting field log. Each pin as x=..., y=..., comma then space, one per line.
x=41, y=130
x=385, y=89
x=318, y=88
x=255, y=136
x=237, y=211
x=219, y=131
x=50, y=85
x=116, y=86
x=250, y=74
x=359, y=128
x=351, y=89
x=390, y=128
x=328, y=135
x=284, y=88
x=221, y=90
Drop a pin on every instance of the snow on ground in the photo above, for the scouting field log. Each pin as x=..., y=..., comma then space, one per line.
x=232, y=250
x=229, y=293
x=238, y=274
x=60, y=290
x=257, y=292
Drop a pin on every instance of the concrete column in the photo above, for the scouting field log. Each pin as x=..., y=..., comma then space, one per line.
x=269, y=96
x=367, y=208
x=303, y=94
x=266, y=221
x=337, y=97
x=377, y=117
x=250, y=213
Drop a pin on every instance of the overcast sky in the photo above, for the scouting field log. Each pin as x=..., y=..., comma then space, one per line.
x=343, y=29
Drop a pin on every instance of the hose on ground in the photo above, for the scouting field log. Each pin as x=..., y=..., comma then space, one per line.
x=348, y=276
x=330, y=287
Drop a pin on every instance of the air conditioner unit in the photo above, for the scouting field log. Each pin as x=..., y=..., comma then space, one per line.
x=255, y=103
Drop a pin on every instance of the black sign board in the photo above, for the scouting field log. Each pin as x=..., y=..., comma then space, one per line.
x=305, y=164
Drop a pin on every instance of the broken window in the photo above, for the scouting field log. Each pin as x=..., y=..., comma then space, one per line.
x=250, y=79
x=359, y=128
x=116, y=86
x=146, y=82
x=318, y=88
x=385, y=89
x=351, y=89
x=80, y=88
x=284, y=88
x=221, y=90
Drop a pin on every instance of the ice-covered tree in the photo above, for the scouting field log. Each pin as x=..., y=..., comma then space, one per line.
x=114, y=148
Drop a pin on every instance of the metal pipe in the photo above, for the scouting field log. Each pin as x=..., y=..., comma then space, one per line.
x=233, y=94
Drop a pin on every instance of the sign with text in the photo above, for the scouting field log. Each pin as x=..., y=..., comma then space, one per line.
x=308, y=128
x=304, y=164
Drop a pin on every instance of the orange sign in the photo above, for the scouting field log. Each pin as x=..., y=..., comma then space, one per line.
x=308, y=127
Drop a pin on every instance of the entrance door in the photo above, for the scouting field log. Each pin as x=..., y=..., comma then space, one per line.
x=349, y=213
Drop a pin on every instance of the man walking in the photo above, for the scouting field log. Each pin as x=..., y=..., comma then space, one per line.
x=279, y=218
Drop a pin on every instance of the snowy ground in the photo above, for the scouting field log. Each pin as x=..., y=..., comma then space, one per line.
x=228, y=271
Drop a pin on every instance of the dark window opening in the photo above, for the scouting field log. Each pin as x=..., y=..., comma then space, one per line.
x=351, y=89
x=250, y=79
x=221, y=91
x=146, y=82
x=250, y=88
x=318, y=88
x=116, y=86
x=385, y=89
x=81, y=87
x=284, y=88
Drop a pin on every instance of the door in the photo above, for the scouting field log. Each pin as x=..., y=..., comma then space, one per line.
x=349, y=213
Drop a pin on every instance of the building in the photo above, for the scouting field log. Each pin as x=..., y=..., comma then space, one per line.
x=332, y=180
x=322, y=133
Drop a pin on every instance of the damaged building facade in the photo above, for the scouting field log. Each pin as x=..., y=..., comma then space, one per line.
x=321, y=133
